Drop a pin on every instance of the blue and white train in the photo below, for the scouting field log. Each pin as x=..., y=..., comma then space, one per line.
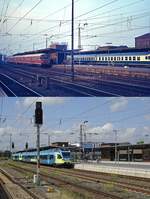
x=118, y=57
x=53, y=157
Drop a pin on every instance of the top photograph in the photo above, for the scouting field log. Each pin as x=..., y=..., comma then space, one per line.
x=75, y=48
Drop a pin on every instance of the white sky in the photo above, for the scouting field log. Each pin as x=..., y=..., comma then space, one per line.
x=114, y=21
x=63, y=116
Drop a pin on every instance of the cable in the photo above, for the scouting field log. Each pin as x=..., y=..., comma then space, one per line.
x=24, y=15
x=20, y=4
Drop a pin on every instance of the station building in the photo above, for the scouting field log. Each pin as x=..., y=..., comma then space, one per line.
x=106, y=151
x=142, y=41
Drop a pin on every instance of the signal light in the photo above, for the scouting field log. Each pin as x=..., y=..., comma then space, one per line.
x=38, y=113
x=26, y=145
x=13, y=145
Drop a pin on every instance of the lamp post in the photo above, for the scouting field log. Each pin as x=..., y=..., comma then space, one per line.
x=79, y=34
x=81, y=136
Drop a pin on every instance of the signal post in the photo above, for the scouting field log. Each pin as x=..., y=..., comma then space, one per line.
x=38, y=123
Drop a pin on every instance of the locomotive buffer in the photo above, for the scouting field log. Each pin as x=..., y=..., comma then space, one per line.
x=38, y=123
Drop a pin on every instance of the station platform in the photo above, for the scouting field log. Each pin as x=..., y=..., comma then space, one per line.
x=137, y=169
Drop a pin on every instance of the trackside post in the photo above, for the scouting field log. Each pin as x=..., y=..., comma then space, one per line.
x=38, y=123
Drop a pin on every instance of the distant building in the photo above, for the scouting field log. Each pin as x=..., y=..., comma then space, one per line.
x=60, y=144
x=143, y=41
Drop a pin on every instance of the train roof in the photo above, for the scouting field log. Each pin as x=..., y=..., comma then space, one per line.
x=111, y=51
x=46, y=50
x=47, y=148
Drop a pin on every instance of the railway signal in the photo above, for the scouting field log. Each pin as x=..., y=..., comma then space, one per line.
x=38, y=123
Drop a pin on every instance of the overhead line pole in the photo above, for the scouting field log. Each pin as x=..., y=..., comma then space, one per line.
x=72, y=43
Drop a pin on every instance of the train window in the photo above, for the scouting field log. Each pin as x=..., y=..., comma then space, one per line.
x=111, y=58
x=59, y=156
x=99, y=58
x=134, y=58
x=108, y=58
x=43, y=157
x=118, y=58
x=102, y=58
x=105, y=58
x=148, y=57
x=114, y=58
x=51, y=157
x=126, y=58
x=130, y=58
x=138, y=58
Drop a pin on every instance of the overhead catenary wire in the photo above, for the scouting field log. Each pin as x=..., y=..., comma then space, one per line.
x=24, y=15
x=53, y=28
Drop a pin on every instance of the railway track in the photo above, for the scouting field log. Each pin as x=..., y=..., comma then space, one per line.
x=86, y=83
x=13, y=88
x=3, y=192
x=8, y=195
x=73, y=185
x=94, y=178
x=106, y=84
x=77, y=88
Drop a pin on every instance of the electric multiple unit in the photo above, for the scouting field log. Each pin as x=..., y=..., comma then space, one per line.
x=52, y=157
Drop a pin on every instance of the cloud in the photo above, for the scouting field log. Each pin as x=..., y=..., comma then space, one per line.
x=147, y=117
x=106, y=128
x=119, y=104
x=45, y=100
x=127, y=135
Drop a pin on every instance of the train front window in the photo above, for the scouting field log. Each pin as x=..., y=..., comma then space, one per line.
x=59, y=156
x=66, y=154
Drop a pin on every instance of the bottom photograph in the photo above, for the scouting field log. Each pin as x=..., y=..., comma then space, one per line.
x=74, y=148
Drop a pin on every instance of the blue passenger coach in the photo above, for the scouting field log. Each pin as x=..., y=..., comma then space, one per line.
x=125, y=57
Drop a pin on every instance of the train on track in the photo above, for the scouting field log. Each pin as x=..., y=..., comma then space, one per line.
x=129, y=57
x=125, y=57
x=58, y=157
x=39, y=59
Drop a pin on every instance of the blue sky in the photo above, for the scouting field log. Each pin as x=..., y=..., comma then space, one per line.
x=63, y=116
x=114, y=21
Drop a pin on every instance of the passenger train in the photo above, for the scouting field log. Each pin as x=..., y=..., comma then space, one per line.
x=125, y=57
x=38, y=59
x=116, y=57
x=53, y=157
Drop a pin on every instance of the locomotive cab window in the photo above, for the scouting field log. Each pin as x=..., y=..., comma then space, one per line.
x=59, y=156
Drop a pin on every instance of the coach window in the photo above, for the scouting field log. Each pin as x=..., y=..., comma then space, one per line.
x=111, y=58
x=102, y=58
x=105, y=58
x=114, y=58
x=108, y=58
x=138, y=58
x=126, y=58
x=130, y=58
x=134, y=58
x=122, y=58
